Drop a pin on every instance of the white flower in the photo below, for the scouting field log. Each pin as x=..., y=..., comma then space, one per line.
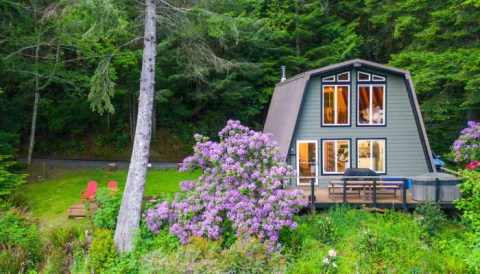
x=334, y=265
x=326, y=261
x=332, y=253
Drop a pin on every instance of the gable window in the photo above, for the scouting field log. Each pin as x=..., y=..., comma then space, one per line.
x=336, y=156
x=307, y=160
x=371, y=154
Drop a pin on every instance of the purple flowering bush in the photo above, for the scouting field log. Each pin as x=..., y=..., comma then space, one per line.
x=238, y=192
x=467, y=147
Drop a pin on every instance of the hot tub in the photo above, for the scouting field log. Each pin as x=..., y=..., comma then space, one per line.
x=424, y=187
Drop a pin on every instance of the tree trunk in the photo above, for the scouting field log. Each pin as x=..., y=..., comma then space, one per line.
x=35, y=106
x=130, y=210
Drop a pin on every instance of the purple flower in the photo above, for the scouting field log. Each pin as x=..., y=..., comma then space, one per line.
x=240, y=184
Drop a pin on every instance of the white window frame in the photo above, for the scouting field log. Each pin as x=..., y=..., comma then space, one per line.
x=384, y=141
x=335, y=149
x=335, y=117
x=298, y=161
x=370, y=92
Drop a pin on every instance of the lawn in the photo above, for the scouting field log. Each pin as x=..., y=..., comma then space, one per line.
x=49, y=200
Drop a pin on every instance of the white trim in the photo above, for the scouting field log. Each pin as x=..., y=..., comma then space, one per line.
x=380, y=140
x=370, y=93
x=298, y=161
x=335, y=105
x=335, y=149
x=381, y=78
x=348, y=79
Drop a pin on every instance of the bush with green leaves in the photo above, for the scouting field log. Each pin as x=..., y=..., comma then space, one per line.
x=102, y=253
x=108, y=206
x=8, y=179
x=429, y=216
x=469, y=204
x=20, y=249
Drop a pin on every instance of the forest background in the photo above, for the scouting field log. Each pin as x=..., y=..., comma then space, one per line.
x=216, y=60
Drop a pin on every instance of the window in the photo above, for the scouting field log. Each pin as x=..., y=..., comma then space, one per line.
x=343, y=77
x=336, y=105
x=306, y=161
x=371, y=104
x=329, y=79
x=371, y=154
x=336, y=156
x=362, y=76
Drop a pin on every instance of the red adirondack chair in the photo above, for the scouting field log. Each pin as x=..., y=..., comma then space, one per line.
x=113, y=187
x=89, y=192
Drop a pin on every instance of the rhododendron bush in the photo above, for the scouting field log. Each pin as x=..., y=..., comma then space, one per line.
x=239, y=190
x=467, y=147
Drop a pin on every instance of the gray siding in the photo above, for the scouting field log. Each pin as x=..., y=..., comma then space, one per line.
x=404, y=152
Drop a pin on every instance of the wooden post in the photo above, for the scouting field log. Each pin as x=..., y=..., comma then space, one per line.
x=404, y=194
x=437, y=189
x=312, y=195
x=374, y=198
x=344, y=191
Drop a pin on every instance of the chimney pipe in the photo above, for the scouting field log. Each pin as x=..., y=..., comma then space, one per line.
x=283, y=74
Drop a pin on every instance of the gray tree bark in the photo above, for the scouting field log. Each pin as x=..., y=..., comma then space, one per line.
x=130, y=210
x=37, y=99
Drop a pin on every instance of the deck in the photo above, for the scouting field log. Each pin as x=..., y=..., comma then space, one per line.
x=382, y=200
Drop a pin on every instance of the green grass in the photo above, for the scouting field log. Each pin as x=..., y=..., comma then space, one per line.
x=49, y=200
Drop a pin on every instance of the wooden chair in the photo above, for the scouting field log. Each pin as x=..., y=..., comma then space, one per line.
x=112, y=187
x=89, y=192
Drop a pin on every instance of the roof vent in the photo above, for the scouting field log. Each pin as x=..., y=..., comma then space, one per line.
x=283, y=74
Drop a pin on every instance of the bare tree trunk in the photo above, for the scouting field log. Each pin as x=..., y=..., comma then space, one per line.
x=130, y=210
x=35, y=106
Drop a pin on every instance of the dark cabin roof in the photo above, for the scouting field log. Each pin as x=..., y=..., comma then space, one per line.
x=288, y=95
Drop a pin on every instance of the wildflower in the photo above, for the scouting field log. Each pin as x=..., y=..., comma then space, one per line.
x=334, y=265
x=332, y=253
x=326, y=261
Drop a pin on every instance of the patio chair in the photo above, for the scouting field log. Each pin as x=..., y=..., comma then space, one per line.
x=112, y=187
x=89, y=192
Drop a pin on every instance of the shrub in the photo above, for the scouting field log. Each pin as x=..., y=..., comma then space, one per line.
x=467, y=147
x=19, y=244
x=239, y=190
x=429, y=216
x=469, y=204
x=108, y=206
x=102, y=252
x=8, y=180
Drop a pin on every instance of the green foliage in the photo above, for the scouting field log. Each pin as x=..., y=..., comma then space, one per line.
x=203, y=255
x=430, y=217
x=19, y=244
x=102, y=252
x=108, y=207
x=469, y=204
x=63, y=245
x=8, y=180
